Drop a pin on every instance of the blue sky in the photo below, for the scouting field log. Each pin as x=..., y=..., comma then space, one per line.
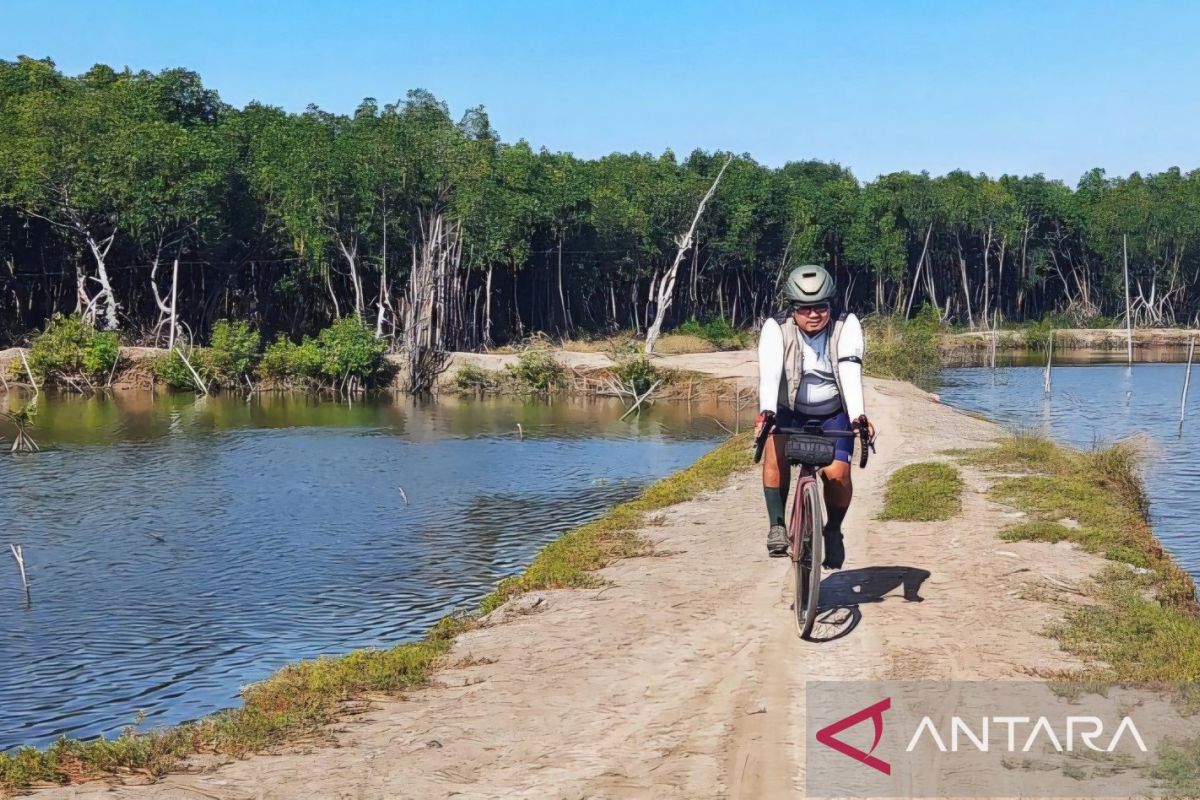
x=1051, y=87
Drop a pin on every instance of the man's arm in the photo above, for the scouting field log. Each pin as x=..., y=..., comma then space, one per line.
x=851, y=350
x=770, y=365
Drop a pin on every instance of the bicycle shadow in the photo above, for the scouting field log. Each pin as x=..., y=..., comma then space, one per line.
x=843, y=592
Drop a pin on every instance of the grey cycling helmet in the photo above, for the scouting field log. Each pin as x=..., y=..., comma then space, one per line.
x=809, y=284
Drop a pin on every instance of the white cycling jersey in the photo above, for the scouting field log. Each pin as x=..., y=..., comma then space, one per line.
x=818, y=391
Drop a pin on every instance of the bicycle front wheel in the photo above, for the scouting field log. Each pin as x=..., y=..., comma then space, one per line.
x=808, y=565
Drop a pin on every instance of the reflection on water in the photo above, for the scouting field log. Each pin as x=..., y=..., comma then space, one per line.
x=1097, y=405
x=179, y=549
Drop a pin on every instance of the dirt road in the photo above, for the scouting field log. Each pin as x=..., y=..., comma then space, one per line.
x=685, y=678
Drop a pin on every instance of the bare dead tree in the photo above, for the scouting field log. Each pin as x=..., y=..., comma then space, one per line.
x=666, y=286
x=166, y=313
x=433, y=308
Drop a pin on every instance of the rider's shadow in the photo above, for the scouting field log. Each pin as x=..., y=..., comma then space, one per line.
x=871, y=585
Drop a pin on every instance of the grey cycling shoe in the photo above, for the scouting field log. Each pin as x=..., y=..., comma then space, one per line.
x=777, y=541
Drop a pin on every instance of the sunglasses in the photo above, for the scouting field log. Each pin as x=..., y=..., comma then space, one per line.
x=811, y=310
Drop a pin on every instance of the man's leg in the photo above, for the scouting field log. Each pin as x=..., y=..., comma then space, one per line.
x=838, y=492
x=776, y=474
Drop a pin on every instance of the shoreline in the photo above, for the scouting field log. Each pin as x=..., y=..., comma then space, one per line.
x=707, y=540
x=1102, y=340
x=711, y=369
x=691, y=375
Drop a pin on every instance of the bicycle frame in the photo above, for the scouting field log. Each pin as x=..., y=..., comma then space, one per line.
x=805, y=524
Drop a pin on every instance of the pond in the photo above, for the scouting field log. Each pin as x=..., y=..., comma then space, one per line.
x=1098, y=404
x=178, y=549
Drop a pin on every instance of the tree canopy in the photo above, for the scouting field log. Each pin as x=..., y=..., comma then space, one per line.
x=403, y=214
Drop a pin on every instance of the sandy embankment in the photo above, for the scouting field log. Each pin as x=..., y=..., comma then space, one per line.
x=740, y=366
x=1079, y=338
x=684, y=678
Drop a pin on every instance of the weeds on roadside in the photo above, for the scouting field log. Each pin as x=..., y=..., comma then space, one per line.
x=1144, y=624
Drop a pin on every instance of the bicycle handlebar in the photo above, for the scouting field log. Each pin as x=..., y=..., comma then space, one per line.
x=761, y=441
x=770, y=429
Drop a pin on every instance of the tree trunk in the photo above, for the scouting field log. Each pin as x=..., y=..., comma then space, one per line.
x=666, y=289
x=562, y=295
x=987, y=248
x=920, y=263
x=351, y=256
x=105, y=301
x=487, y=309
x=962, y=267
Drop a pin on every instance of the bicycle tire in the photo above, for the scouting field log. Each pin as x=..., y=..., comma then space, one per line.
x=807, y=556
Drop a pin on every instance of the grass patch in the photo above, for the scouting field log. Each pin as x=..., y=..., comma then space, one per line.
x=1143, y=624
x=1036, y=532
x=1128, y=635
x=1178, y=768
x=927, y=491
x=680, y=344
x=717, y=332
x=303, y=697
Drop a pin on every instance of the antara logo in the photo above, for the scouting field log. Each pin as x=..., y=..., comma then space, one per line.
x=874, y=713
x=1086, y=729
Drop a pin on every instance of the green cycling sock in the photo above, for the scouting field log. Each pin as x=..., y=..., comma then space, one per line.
x=776, y=500
x=836, y=515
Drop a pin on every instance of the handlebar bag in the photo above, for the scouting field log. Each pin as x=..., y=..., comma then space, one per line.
x=817, y=451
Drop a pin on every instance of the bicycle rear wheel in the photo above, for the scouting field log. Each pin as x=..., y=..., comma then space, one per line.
x=808, y=562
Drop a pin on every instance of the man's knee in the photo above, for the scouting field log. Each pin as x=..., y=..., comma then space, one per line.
x=838, y=473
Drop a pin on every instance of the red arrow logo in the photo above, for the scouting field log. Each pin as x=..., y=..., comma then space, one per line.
x=874, y=713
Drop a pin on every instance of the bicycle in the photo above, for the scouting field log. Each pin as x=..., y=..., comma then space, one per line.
x=811, y=449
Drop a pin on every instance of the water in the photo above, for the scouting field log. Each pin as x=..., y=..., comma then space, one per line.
x=178, y=549
x=1092, y=405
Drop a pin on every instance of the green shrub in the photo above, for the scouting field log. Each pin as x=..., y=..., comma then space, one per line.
x=285, y=360
x=906, y=350
x=346, y=349
x=637, y=371
x=70, y=348
x=171, y=369
x=349, y=348
x=1036, y=335
x=234, y=348
x=101, y=353
x=717, y=332
x=472, y=378
x=537, y=371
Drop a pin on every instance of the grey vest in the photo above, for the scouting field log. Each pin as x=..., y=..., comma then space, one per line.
x=793, y=367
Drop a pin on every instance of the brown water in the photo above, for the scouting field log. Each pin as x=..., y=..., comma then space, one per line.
x=179, y=549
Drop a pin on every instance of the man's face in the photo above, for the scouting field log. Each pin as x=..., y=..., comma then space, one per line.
x=811, y=318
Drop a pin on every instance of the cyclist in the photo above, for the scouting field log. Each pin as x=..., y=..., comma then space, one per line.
x=810, y=369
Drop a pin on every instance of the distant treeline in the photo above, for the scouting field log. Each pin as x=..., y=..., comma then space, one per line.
x=409, y=218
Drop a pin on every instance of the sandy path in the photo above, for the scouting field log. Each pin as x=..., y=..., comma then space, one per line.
x=684, y=678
